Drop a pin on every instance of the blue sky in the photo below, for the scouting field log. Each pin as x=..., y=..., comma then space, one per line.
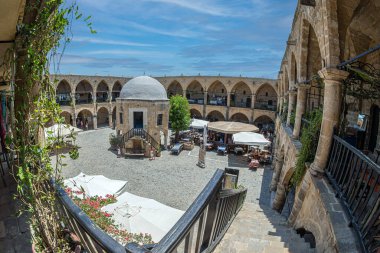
x=174, y=37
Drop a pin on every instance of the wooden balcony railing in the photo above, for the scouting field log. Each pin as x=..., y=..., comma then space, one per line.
x=356, y=178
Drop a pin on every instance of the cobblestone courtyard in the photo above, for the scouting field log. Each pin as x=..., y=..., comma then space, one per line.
x=173, y=180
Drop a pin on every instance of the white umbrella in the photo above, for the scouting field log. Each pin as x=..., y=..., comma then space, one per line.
x=96, y=185
x=62, y=130
x=198, y=123
x=249, y=138
x=143, y=215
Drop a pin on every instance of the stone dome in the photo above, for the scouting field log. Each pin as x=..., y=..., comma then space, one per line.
x=143, y=88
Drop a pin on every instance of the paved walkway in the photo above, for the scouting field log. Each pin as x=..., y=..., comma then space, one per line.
x=14, y=231
x=259, y=229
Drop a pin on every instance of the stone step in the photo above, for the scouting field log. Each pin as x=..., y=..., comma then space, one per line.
x=261, y=229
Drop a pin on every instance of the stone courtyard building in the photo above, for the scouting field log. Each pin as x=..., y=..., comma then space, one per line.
x=331, y=62
x=240, y=99
x=142, y=115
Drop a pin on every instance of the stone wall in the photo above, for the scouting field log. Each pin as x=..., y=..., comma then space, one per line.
x=193, y=87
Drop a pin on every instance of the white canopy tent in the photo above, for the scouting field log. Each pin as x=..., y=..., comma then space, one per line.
x=142, y=215
x=198, y=123
x=96, y=185
x=62, y=130
x=251, y=139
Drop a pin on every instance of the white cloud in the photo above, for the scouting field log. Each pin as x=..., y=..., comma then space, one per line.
x=129, y=52
x=185, y=33
x=110, y=42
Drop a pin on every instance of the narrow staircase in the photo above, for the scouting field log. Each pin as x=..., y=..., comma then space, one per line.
x=260, y=229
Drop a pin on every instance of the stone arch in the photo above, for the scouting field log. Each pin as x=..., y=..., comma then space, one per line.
x=195, y=93
x=293, y=70
x=215, y=116
x=239, y=117
x=102, y=90
x=116, y=89
x=241, y=95
x=194, y=113
x=63, y=93
x=311, y=57
x=102, y=117
x=286, y=83
x=312, y=226
x=217, y=94
x=84, y=92
x=175, y=88
x=286, y=175
x=84, y=116
x=263, y=121
x=266, y=97
x=68, y=119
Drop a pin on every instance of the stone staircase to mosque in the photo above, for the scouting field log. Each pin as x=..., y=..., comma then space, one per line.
x=260, y=229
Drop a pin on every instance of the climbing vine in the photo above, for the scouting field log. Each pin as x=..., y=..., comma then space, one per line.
x=309, y=140
x=41, y=35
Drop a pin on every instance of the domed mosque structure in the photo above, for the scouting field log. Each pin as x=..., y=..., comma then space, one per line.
x=142, y=116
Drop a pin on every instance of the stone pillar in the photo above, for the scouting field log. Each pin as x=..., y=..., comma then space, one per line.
x=95, y=121
x=301, y=107
x=184, y=93
x=93, y=95
x=253, y=101
x=228, y=99
x=291, y=106
x=279, y=198
x=333, y=79
x=204, y=104
x=72, y=97
x=277, y=171
x=74, y=118
x=110, y=120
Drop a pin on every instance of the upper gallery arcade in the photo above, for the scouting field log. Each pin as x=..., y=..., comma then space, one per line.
x=241, y=99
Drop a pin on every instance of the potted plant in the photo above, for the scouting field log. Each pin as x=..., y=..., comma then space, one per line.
x=115, y=141
x=158, y=152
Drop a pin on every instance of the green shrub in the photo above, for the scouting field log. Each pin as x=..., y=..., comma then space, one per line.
x=309, y=140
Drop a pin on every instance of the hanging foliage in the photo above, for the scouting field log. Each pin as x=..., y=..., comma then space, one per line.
x=40, y=36
x=363, y=81
x=309, y=140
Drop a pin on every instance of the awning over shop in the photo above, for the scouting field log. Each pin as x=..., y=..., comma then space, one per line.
x=231, y=127
x=198, y=123
x=249, y=138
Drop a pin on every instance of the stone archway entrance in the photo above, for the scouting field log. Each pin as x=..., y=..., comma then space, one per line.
x=194, y=113
x=85, y=116
x=264, y=122
x=67, y=117
x=215, y=116
x=103, y=117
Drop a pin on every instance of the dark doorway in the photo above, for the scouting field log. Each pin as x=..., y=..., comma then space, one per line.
x=138, y=120
x=374, y=127
x=248, y=103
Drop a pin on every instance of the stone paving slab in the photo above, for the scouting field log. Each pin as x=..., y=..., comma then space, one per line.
x=14, y=231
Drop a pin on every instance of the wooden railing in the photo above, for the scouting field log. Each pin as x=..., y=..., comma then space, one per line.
x=140, y=132
x=356, y=180
x=203, y=225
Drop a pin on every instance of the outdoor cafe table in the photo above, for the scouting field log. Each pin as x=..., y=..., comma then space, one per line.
x=209, y=146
